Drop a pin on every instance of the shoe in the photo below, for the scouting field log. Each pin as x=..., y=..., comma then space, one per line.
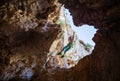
x=59, y=53
x=62, y=56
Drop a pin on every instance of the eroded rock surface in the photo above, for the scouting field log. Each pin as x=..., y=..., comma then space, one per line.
x=103, y=64
x=25, y=39
x=66, y=50
x=98, y=13
x=24, y=49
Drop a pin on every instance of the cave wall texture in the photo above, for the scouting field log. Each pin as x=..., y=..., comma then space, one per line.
x=27, y=30
x=103, y=64
x=22, y=20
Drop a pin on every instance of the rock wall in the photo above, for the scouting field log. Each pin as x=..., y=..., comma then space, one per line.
x=24, y=30
x=103, y=63
x=61, y=54
x=26, y=34
x=98, y=13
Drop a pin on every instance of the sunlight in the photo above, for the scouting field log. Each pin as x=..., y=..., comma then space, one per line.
x=84, y=32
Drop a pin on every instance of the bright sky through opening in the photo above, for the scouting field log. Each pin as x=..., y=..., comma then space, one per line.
x=85, y=32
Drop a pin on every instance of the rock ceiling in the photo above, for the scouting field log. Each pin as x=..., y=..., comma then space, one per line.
x=23, y=20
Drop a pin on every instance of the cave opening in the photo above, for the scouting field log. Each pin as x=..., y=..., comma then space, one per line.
x=72, y=44
x=22, y=55
x=84, y=32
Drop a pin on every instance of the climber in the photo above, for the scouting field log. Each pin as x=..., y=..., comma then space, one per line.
x=67, y=47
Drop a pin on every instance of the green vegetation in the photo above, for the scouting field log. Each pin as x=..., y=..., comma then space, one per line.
x=60, y=22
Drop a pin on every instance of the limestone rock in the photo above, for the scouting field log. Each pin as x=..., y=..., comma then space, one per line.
x=59, y=56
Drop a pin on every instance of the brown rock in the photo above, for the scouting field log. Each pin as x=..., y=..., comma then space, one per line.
x=102, y=65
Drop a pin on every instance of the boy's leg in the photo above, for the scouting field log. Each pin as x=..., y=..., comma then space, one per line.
x=62, y=56
x=59, y=53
